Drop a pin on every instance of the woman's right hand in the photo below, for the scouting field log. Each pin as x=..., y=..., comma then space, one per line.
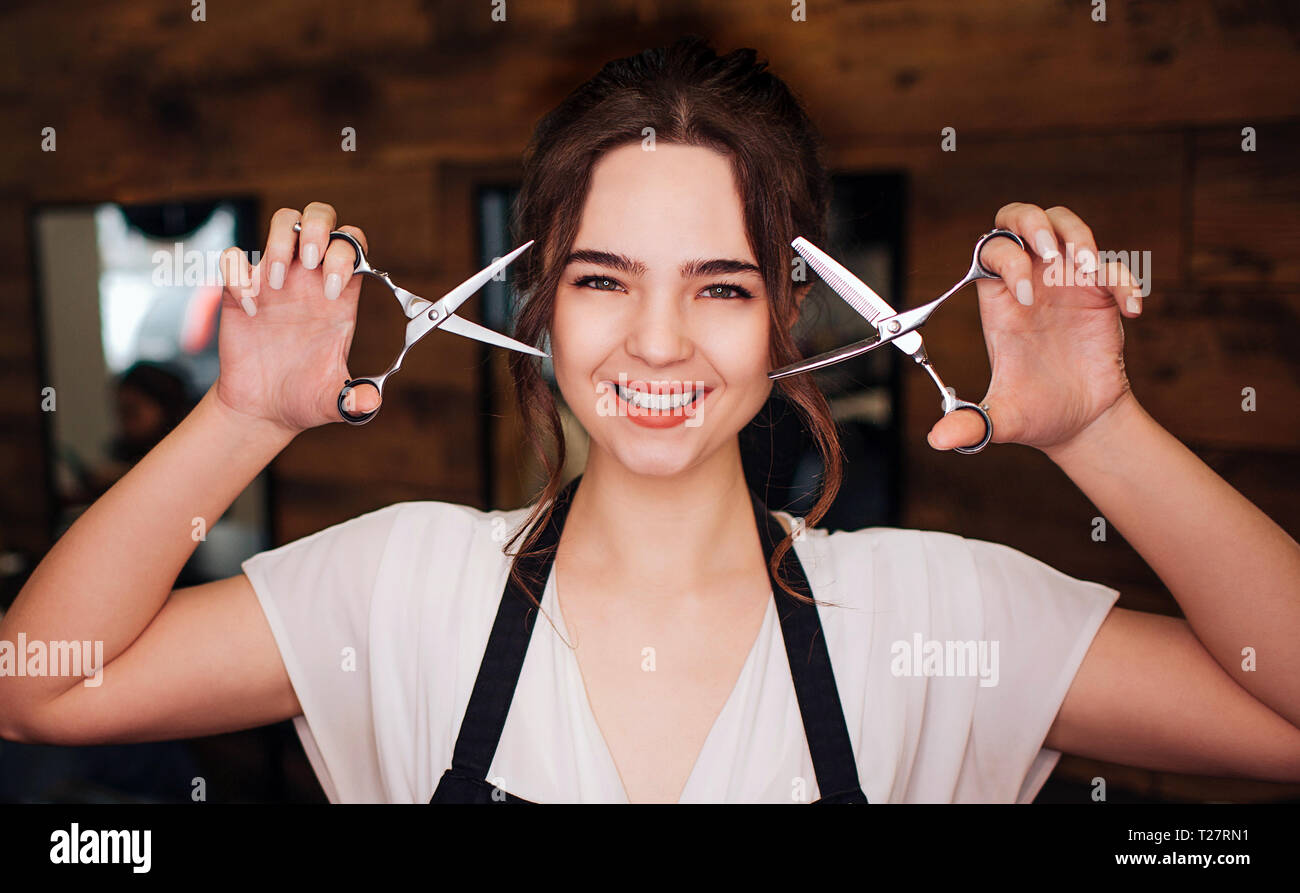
x=287, y=324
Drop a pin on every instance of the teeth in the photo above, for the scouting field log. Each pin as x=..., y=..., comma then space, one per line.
x=657, y=402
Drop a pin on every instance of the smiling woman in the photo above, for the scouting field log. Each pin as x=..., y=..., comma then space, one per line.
x=697, y=647
x=692, y=151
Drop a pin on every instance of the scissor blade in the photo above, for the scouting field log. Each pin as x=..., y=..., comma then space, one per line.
x=452, y=300
x=856, y=293
x=831, y=357
x=459, y=326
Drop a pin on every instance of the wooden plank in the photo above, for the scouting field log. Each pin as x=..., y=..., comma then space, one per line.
x=1245, y=230
x=414, y=83
x=1172, y=787
x=418, y=440
x=1196, y=350
x=393, y=206
x=305, y=507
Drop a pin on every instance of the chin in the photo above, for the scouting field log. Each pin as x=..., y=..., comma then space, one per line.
x=655, y=454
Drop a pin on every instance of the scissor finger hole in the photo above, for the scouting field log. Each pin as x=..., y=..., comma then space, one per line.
x=359, y=401
x=986, y=271
x=982, y=412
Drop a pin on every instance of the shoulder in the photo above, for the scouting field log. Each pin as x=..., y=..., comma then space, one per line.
x=403, y=533
x=429, y=516
x=933, y=550
x=849, y=565
x=907, y=563
x=449, y=516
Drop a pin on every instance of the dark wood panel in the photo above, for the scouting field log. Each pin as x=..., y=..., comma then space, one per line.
x=308, y=506
x=1172, y=787
x=1191, y=358
x=423, y=437
x=1245, y=229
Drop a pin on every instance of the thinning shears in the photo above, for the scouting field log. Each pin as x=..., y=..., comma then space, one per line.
x=424, y=316
x=900, y=329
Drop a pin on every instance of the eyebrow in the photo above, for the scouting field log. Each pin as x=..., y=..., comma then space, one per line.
x=691, y=269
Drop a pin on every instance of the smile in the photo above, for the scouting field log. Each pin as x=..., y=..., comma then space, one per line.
x=679, y=396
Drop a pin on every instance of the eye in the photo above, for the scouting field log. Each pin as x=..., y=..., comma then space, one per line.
x=726, y=292
x=598, y=283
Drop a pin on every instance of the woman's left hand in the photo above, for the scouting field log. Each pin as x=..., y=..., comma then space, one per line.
x=1058, y=361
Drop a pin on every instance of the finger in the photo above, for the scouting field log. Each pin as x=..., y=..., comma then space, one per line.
x=280, y=244
x=1030, y=223
x=340, y=261
x=1013, y=265
x=957, y=429
x=318, y=218
x=362, y=399
x=1122, y=285
x=241, y=280
x=1080, y=246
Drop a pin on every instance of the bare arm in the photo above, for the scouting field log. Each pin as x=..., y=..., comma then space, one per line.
x=1149, y=695
x=1234, y=572
x=108, y=579
x=1170, y=694
x=199, y=660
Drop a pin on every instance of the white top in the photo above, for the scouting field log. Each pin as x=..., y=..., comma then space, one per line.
x=382, y=622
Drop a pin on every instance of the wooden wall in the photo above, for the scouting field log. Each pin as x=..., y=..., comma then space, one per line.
x=1134, y=122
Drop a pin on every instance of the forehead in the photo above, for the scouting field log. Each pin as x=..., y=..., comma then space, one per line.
x=664, y=205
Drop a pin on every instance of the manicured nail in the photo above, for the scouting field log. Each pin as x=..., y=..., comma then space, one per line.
x=310, y=255
x=1134, y=305
x=1024, y=292
x=1087, y=261
x=1045, y=245
x=249, y=307
x=276, y=279
x=333, y=285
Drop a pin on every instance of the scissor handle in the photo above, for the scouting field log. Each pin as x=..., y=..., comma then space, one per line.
x=978, y=270
x=359, y=265
x=955, y=405
x=359, y=418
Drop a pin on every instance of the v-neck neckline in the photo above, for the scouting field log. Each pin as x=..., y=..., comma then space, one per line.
x=552, y=592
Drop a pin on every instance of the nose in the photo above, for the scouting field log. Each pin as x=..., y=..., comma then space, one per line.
x=658, y=332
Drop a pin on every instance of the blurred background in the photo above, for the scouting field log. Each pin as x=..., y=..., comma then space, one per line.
x=139, y=132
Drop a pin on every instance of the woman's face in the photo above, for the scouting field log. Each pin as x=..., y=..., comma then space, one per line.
x=660, y=334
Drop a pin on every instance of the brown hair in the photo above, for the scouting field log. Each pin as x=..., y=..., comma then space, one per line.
x=690, y=96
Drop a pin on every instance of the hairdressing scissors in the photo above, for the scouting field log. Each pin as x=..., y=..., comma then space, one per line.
x=424, y=316
x=891, y=326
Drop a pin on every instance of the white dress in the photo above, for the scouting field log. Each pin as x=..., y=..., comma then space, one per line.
x=382, y=621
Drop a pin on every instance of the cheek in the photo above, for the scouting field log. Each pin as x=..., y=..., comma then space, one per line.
x=578, y=339
x=738, y=346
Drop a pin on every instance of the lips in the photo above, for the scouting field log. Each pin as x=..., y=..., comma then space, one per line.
x=657, y=404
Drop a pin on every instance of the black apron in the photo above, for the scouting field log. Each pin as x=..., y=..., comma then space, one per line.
x=805, y=647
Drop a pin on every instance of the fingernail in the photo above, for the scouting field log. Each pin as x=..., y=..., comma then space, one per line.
x=1134, y=305
x=276, y=279
x=1087, y=261
x=1046, y=245
x=249, y=307
x=1024, y=292
x=333, y=285
x=310, y=255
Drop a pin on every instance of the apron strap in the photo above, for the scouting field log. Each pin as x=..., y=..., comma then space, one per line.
x=503, y=660
x=810, y=668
